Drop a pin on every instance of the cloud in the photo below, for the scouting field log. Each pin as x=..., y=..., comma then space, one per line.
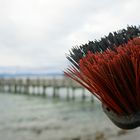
x=38, y=33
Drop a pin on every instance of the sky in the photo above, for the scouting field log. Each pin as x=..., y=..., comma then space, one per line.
x=37, y=34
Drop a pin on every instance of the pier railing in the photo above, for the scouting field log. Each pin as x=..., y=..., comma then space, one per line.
x=39, y=86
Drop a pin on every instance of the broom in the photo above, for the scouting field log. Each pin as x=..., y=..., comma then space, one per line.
x=113, y=76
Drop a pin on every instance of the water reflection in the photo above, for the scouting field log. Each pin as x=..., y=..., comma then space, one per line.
x=36, y=118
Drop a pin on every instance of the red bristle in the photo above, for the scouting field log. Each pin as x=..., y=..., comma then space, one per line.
x=112, y=76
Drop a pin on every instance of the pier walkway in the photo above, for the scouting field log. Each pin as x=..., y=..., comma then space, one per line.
x=39, y=86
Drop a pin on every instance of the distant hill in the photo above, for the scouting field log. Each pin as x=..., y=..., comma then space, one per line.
x=27, y=72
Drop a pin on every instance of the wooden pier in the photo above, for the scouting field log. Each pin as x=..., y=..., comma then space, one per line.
x=39, y=86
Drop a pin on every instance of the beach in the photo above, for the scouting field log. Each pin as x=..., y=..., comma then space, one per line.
x=37, y=118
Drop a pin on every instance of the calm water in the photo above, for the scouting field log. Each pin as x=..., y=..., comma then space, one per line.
x=36, y=118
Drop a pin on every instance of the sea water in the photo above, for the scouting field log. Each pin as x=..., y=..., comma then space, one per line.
x=24, y=117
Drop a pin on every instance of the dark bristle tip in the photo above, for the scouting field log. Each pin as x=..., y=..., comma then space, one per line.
x=113, y=39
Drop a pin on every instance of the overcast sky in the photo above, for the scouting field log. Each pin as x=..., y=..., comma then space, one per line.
x=38, y=33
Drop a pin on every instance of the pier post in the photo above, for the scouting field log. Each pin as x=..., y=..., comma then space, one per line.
x=27, y=86
x=68, y=97
x=15, y=88
x=44, y=90
x=73, y=93
x=92, y=98
x=83, y=94
x=54, y=91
